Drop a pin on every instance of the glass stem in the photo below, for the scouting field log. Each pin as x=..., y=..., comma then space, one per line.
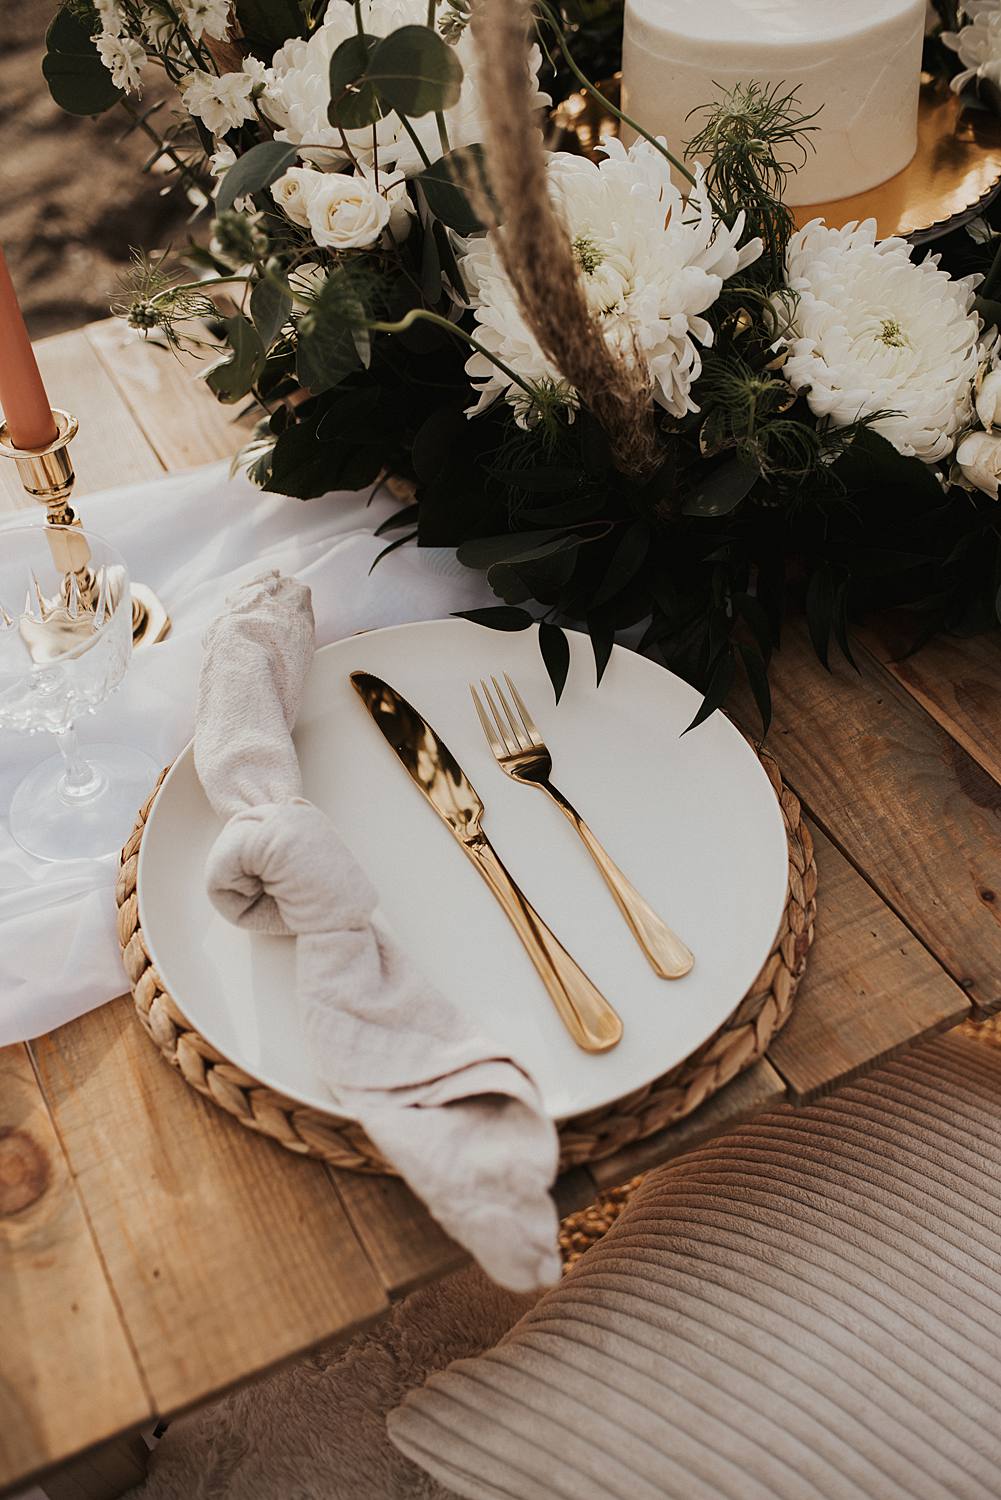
x=79, y=780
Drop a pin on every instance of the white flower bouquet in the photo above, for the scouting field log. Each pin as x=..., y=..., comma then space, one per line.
x=629, y=389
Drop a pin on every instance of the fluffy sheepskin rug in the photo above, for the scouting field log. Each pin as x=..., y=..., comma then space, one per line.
x=316, y=1430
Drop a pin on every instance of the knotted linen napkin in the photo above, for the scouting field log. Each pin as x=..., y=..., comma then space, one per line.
x=462, y=1123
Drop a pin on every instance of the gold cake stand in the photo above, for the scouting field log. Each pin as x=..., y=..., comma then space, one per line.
x=955, y=172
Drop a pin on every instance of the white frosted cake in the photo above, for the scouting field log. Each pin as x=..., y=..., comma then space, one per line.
x=858, y=59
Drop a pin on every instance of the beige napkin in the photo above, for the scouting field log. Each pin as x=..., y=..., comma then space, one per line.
x=461, y=1122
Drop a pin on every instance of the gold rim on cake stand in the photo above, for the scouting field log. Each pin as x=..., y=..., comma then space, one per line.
x=954, y=174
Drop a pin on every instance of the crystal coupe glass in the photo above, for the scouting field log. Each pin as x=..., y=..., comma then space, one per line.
x=65, y=643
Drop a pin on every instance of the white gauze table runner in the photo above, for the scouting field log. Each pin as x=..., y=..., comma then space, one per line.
x=194, y=538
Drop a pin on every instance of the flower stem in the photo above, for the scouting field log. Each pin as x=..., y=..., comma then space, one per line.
x=421, y=314
x=415, y=138
x=442, y=133
x=596, y=93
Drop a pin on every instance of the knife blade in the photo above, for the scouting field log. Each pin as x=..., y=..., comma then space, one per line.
x=585, y=1012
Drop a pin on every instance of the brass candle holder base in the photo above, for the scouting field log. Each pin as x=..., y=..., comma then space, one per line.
x=47, y=476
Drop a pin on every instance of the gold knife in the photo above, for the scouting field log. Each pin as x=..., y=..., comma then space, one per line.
x=584, y=1011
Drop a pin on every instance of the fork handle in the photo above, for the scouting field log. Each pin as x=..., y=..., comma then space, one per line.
x=668, y=955
x=584, y=1011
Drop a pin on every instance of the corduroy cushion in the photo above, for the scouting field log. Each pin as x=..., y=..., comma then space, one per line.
x=807, y=1307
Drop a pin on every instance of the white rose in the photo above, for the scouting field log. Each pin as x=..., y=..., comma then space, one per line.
x=989, y=399
x=346, y=213
x=293, y=191
x=979, y=457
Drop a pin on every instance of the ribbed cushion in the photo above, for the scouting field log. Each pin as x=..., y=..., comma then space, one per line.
x=807, y=1307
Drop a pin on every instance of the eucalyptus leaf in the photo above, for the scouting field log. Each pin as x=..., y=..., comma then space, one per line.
x=442, y=185
x=631, y=552
x=497, y=617
x=483, y=552
x=415, y=71
x=717, y=689
x=405, y=517
x=354, y=99
x=721, y=491
x=821, y=594
x=400, y=541
x=757, y=677
x=555, y=650
x=271, y=303
x=232, y=377
x=602, y=636
x=256, y=169
x=77, y=78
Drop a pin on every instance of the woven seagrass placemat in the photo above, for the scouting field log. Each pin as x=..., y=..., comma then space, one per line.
x=735, y=1046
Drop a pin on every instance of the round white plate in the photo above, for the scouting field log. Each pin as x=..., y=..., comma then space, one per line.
x=693, y=821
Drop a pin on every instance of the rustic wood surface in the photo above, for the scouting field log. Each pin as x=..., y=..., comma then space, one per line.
x=152, y=1253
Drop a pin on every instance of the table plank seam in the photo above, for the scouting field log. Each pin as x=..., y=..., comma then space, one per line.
x=829, y=833
x=102, y=1262
x=122, y=387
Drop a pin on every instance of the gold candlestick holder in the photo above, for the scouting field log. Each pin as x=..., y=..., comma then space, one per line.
x=47, y=476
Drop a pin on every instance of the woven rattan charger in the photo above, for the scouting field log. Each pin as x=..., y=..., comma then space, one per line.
x=735, y=1046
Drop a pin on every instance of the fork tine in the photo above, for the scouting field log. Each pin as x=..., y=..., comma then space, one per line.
x=520, y=743
x=488, y=729
x=534, y=737
x=510, y=748
x=500, y=729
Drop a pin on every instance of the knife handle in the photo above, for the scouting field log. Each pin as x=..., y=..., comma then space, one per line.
x=584, y=1011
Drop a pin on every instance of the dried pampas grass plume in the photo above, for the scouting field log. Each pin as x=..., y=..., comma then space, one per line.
x=536, y=251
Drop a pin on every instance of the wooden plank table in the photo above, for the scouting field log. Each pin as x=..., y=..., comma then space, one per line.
x=154, y=1253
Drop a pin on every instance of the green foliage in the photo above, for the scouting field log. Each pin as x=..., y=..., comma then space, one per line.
x=234, y=376
x=413, y=70
x=354, y=99
x=77, y=78
x=444, y=185
x=328, y=334
x=753, y=137
x=256, y=169
x=267, y=24
x=271, y=303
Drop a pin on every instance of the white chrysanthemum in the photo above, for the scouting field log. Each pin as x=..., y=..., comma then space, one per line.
x=869, y=331
x=298, y=92
x=124, y=60
x=651, y=266
x=978, y=43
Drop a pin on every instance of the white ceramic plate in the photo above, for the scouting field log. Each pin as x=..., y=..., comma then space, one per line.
x=693, y=821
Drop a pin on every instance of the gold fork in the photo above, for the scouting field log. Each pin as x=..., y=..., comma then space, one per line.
x=520, y=750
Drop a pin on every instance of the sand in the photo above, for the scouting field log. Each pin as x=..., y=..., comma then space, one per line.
x=72, y=197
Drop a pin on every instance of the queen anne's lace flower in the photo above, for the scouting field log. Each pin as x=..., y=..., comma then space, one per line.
x=978, y=43
x=298, y=92
x=870, y=331
x=651, y=266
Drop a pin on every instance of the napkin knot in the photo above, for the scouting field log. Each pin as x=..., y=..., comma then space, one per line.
x=282, y=868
